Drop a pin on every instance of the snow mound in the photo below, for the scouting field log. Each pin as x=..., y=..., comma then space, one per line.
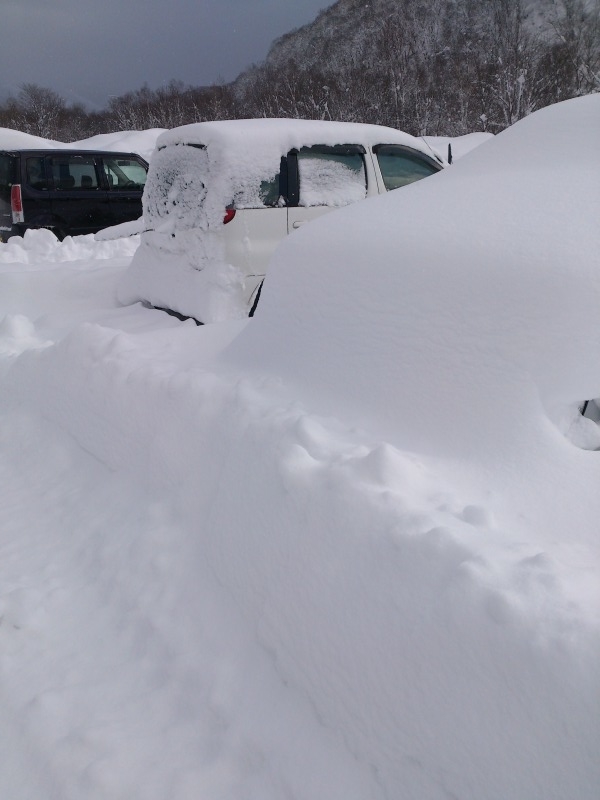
x=41, y=247
x=140, y=142
x=448, y=314
x=461, y=145
x=10, y=139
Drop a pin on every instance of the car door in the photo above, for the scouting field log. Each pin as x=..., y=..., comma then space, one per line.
x=78, y=201
x=124, y=177
x=323, y=178
x=8, y=177
x=256, y=223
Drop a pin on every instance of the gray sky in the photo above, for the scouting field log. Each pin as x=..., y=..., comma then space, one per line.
x=87, y=50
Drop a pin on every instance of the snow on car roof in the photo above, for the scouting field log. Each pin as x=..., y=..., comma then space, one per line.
x=285, y=134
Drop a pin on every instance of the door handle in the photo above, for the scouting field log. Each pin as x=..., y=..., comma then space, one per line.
x=298, y=223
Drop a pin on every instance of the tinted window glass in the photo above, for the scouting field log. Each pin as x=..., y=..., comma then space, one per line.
x=330, y=177
x=74, y=172
x=124, y=174
x=400, y=166
x=35, y=173
x=7, y=173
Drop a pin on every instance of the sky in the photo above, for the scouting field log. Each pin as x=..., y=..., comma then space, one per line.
x=87, y=51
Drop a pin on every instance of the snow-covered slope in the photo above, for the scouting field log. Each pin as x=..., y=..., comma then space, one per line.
x=348, y=30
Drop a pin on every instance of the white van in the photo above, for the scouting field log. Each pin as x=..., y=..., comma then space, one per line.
x=220, y=196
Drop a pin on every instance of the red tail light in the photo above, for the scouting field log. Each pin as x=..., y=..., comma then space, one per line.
x=16, y=203
x=229, y=215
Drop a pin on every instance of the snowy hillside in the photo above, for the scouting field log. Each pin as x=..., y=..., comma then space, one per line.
x=430, y=67
x=345, y=549
x=350, y=27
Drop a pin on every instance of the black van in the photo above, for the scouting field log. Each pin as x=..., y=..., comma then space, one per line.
x=70, y=192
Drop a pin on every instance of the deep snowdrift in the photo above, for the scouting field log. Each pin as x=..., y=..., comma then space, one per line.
x=439, y=312
x=230, y=568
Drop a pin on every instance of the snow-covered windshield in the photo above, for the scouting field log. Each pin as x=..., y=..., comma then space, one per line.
x=176, y=188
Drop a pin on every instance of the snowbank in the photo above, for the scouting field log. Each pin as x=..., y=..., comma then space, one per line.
x=469, y=300
x=461, y=145
x=141, y=142
x=41, y=248
x=10, y=139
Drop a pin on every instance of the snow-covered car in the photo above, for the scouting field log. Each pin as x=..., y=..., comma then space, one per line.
x=221, y=196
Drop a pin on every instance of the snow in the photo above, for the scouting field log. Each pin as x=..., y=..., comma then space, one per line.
x=461, y=145
x=141, y=142
x=331, y=183
x=256, y=137
x=490, y=287
x=344, y=549
x=10, y=139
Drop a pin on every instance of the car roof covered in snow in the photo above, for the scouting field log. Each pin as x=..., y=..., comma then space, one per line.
x=286, y=134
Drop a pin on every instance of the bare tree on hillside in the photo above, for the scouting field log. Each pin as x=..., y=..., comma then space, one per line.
x=36, y=110
x=512, y=81
x=576, y=56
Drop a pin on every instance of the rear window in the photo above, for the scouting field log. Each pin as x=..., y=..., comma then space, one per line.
x=400, y=166
x=176, y=188
x=331, y=176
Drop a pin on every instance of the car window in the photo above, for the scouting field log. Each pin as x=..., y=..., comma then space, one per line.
x=7, y=173
x=74, y=172
x=400, y=166
x=261, y=184
x=330, y=176
x=124, y=174
x=35, y=173
x=256, y=193
x=176, y=188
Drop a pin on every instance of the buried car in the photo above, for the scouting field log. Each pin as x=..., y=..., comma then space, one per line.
x=222, y=195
